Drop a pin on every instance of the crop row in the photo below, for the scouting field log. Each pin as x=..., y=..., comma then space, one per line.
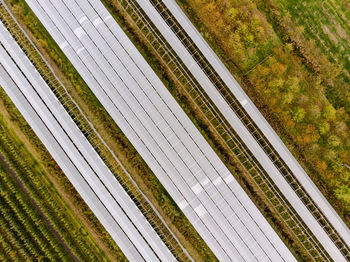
x=42, y=191
x=22, y=226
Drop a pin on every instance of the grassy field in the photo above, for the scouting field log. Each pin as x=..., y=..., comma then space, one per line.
x=321, y=31
x=325, y=22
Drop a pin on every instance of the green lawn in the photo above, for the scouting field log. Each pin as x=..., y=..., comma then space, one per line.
x=328, y=24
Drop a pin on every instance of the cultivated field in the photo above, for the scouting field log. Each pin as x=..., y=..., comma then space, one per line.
x=25, y=233
x=47, y=197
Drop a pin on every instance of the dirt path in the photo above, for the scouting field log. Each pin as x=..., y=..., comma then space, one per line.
x=66, y=247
